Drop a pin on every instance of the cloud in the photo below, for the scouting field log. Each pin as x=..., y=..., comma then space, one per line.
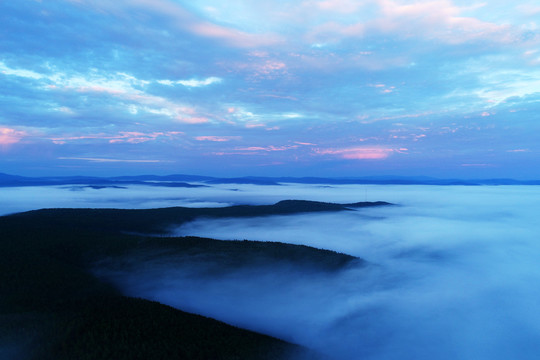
x=258, y=68
x=518, y=150
x=450, y=273
x=110, y=160
x=232, y=36
x=529, y=9
x=145, y=67
x=9, y=136
x=20, y=72
x=258, y=150
x=439, y=20
x=176, y=16
x=502, y=84
x=359, y=153
x=192, y=82
x=132, y=137
x=217, y=138
x=340, y=6
x=305, y=143
x=131, y=91
x=268, y=148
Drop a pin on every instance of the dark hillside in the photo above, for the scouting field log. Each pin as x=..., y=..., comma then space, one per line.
x=55, y=308
x=158, y=220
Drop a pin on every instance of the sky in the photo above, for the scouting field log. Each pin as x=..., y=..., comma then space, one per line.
x=335, y=88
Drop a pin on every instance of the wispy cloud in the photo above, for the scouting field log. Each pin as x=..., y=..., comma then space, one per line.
x=20, y=72
x=176, y=15
x=192, y=82
x=518, y=150
x=217, y=138
x=232, y=36
x=110, y=160
x=127, y=88
x=132, y=137
x=439, y=20
x=360, y=153
x=267, y=148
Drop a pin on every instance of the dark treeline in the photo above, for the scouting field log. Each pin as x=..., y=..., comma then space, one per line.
x=158, y=220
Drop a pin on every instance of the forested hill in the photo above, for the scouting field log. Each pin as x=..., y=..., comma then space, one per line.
x=158, y=220
x=52, y=306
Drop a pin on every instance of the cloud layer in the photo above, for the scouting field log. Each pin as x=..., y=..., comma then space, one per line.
x=452, y=273
x=453, y=83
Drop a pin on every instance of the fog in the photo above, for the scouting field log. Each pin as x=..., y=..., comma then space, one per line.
x=17, y=199
x=453, y=271
x=453, y=274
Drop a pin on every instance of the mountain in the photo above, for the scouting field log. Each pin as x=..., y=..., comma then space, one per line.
x=181, y=180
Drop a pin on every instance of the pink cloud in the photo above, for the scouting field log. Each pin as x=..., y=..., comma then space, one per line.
x=433, y=20
x=232, y=36
x=217, y=138
x=257, y=125
x=271, y=66
x=192, y=119
x=267, y=148
x=9, y=136
x=358, y=153
x=184, y=20
x=251, y=148
x=251, y=125
x=257, y=68
x=99, y=89
x=133, y=137
x=437, y=19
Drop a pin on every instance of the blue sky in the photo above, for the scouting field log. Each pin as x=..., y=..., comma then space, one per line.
x=441, y=88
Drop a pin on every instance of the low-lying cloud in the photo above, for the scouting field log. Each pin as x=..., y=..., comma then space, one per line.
x=453, y=270
x=453, y=275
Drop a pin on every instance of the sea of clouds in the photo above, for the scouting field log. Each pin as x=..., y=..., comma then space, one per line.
x=453, y=270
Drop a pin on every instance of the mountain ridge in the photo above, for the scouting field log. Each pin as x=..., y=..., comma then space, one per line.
x=186, y=180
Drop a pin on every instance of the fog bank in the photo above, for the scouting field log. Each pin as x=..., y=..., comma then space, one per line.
x=454, y=274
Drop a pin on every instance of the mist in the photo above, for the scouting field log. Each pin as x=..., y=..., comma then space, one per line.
x=452, y=274
x=18, y=199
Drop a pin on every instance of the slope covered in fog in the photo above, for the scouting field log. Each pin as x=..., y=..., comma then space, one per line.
x=58, y=298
